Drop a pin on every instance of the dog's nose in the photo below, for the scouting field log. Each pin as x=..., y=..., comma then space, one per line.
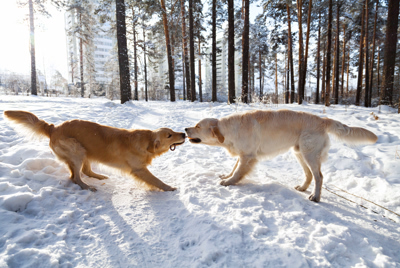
x=183, y=135
x=186, y=129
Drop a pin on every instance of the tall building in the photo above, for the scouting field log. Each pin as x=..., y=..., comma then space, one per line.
x=96, y=54
x=222, y=70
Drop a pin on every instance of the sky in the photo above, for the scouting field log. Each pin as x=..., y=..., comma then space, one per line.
x=50, y=40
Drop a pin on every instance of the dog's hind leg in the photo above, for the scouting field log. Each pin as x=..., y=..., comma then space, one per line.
x=313, y=149
x=315, y=165
x=307, y=171
x=71, y=152
x=87, y=170
x=245, y=165
x=224, y=177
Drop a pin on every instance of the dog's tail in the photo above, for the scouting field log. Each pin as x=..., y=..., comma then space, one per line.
x=350, y=135
x=30, y=123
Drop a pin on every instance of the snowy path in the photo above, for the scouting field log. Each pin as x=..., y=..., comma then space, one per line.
x=47, y=221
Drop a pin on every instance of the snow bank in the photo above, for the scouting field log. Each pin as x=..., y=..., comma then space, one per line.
x=47, y=221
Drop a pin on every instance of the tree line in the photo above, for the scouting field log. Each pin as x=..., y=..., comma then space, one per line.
x=333, y=42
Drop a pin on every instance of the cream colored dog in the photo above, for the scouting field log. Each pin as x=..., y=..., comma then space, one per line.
x=264, y=134
x=78, y=143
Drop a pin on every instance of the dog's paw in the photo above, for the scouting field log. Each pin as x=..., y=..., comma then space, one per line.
x=87, y=187
x=300, y=188
x=225, y=183
x=314, y=198
x=169, y=188
x=92, y=189
x=101, y=177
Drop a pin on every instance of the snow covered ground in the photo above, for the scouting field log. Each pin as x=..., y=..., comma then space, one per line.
x=47, y=221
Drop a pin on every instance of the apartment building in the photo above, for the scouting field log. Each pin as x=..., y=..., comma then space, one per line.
x=96, y=55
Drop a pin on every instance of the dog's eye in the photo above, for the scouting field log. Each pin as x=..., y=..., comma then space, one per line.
x=169, y=135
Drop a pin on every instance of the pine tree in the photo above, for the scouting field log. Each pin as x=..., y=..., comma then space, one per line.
x=123, y=60
x=336, y=86
x=245, y=53
x=214, y=51
x=32, y=49
x=231, y=52
x=366, y=99
x=171, y=71
x=328, y=56
x=389, y=58
x=34, y=7
x=191, y=46
x=186, y=76
x=361, y=58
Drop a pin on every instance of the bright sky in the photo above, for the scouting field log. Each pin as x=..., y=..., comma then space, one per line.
x=14, y=40
x=50, y=40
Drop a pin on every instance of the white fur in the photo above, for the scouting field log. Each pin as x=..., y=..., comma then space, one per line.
x=256, y=135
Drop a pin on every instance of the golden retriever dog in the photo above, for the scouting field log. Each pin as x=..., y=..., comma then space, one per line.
x=254, y=135
x=77, y=143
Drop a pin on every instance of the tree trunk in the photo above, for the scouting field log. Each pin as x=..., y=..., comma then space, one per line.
x=323, y=76
x=332, y=86
x=81, y=58
x=366, y=99
x=343, y=60
x=250, y=81
x=191, y=45
x=360, y=60
x=136, y=94
x=287, y=64
x=260, y=70
x=231, y=52
x=304, y=69
x=276, y=78
x=347, y=80
x=378, y=71
x=328, y=57
x=183, y=76
x=300, y=87
x=262, y=85
x=318, y=58
x=72, y=68
x=373, y=54
x=169, y=53
x=214, y=51
x=290, y=52
x=145, y=65
x=32, y=49
x=389, y=57
x=253, y=83
x=186, y=67
x=123, y=60
x=245, y=53
x=200, y=82
x=337, y=54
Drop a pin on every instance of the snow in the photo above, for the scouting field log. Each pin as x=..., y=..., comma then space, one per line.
x=48, y=221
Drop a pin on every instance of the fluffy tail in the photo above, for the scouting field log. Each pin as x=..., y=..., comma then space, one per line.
x=351, y=135
x=30, y=123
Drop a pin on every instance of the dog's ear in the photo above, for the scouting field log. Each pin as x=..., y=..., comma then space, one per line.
x=216, y=133
x=153, y=146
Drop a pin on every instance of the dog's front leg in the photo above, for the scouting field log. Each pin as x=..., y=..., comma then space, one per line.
x=224, y=177
x=244, y=166
x=145, y=175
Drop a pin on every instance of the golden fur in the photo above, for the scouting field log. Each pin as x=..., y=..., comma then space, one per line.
x=264, y=134
x=78, y=143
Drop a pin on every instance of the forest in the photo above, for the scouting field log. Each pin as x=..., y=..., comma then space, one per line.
x=311, y=50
